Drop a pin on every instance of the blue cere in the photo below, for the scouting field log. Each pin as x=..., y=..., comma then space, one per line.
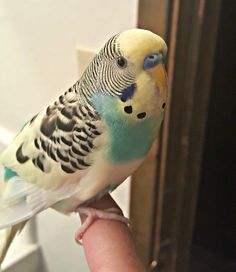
x=152, y=60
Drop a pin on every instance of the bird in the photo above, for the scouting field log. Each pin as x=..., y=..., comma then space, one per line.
x=90, y=139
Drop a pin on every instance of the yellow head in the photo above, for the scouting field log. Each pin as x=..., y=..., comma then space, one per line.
x=130, y=68
x=145, y=53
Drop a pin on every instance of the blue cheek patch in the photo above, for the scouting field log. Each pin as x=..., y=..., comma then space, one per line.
x=128, y=93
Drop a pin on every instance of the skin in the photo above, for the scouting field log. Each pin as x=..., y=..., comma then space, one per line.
x=108, y=244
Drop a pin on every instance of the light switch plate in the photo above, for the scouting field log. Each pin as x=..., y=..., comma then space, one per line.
x=84, y=57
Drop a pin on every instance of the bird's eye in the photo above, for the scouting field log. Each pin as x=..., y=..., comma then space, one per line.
x=121, y=62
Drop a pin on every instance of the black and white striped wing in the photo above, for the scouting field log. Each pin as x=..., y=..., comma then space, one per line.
x=59, y=141
x=67, y=134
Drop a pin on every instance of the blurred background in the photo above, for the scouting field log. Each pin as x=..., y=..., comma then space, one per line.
x=182, y=200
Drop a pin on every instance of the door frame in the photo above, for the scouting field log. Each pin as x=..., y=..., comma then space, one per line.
x=169, y=194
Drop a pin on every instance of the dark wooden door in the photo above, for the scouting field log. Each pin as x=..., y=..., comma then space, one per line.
x=165, y=190
x=214, y=239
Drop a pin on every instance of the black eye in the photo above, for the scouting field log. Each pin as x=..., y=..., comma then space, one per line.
x=121, y=62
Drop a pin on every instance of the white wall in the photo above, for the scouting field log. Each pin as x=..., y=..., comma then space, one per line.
x=37, y=62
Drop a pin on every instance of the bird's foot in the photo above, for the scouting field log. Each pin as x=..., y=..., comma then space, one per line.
x=93, y=214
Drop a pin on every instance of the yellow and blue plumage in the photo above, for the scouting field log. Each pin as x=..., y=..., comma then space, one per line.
x=92, y=137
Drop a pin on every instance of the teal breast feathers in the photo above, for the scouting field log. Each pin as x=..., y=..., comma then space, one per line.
x=130, y=139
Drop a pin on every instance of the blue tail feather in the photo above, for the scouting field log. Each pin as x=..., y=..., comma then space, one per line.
x=8, y=174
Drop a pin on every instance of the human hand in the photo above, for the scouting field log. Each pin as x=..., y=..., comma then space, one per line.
x=108, y=244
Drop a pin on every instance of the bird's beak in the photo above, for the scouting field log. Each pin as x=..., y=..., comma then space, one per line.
x=159, y=76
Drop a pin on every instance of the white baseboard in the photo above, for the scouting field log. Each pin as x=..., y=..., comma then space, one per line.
x=25, y=257
x=28, y=259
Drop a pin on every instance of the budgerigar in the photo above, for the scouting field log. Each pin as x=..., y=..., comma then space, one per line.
x=89, y=140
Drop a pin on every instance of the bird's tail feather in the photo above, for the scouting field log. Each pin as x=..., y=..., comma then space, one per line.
x=9, y=237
